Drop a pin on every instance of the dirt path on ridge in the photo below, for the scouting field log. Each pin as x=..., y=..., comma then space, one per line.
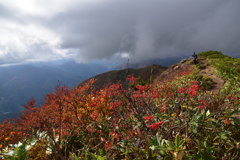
x=208, y=71
x=175, y=70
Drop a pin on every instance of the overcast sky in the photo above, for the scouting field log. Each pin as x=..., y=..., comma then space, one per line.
x=44, y=30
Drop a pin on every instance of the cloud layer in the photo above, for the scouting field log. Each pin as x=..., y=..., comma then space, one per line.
x=101, y=29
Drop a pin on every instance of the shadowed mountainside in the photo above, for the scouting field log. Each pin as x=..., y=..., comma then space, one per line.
x=146, y=74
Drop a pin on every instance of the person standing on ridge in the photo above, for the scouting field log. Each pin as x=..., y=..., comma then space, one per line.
x=194, y=58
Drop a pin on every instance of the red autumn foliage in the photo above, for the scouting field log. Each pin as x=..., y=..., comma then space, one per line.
x=102, y=119
x=201, y=107
x=227, y=122
x=155, y=125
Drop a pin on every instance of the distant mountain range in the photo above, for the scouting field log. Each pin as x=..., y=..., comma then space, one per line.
x=163, y=62
x=20, y=83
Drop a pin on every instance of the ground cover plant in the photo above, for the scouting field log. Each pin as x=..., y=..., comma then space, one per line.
x=225, y=67
x=180, y=119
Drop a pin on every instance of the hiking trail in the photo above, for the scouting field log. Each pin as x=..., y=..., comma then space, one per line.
x=208, y=71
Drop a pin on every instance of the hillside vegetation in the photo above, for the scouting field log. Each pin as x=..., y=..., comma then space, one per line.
x=145, y=75
x=226, y=67
x=188, y=112
x=20, y=83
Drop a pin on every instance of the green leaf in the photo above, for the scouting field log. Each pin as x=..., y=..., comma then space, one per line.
x=101, y=158
x=178, y=142
x=170, y=145
x=234, y=112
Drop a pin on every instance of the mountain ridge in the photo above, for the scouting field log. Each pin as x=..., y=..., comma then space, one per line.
x=184, y=108
x=146, y=74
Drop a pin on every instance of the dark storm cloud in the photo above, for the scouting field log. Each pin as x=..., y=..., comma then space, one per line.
x=23, y=35
x=6, y=13
x=9, y=14
x=150, y=29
